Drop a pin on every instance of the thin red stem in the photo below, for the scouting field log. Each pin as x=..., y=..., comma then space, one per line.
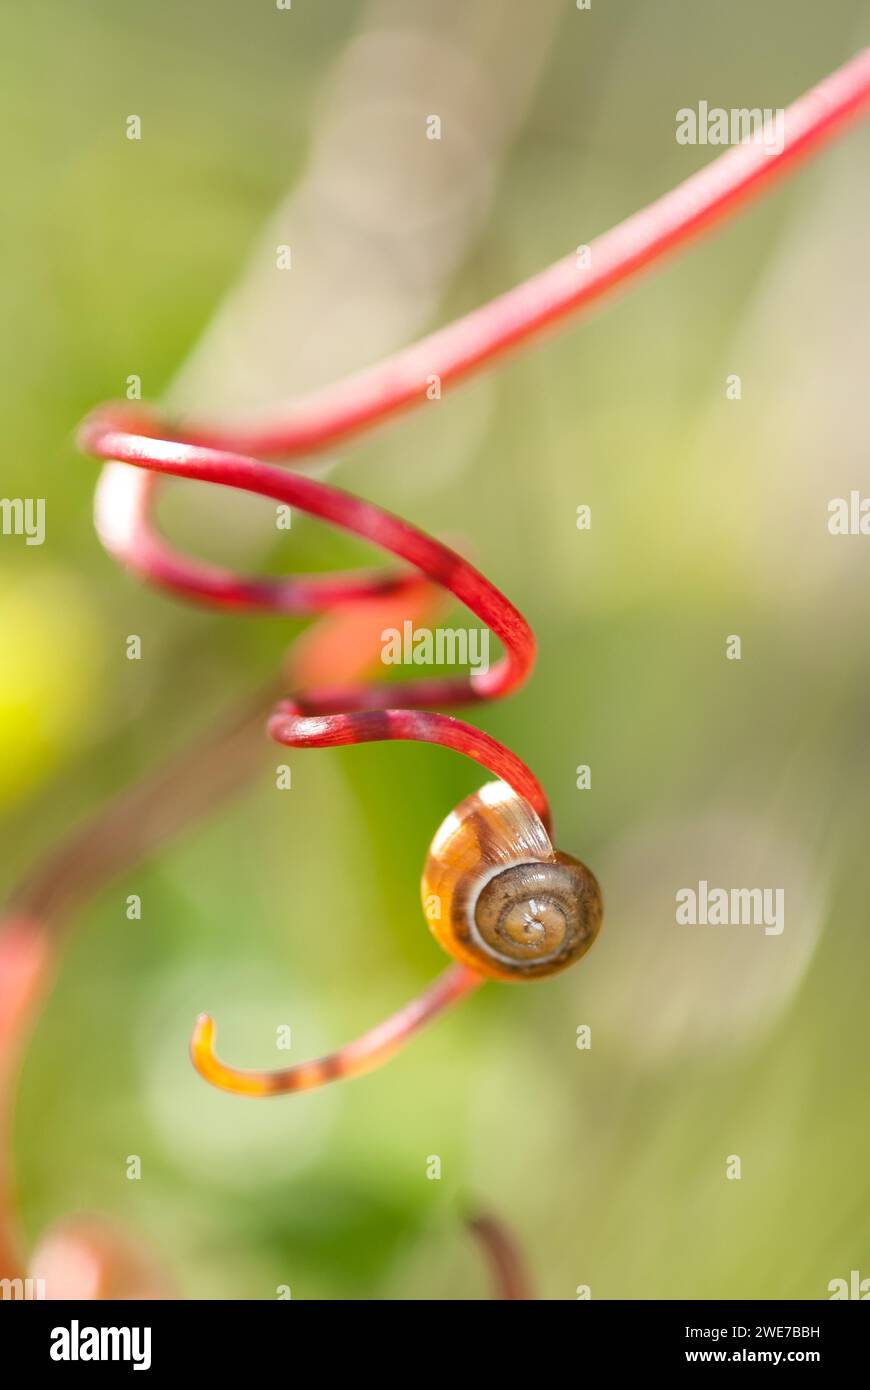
x=370, y=1050
x=25, y=971
x=509, y=1274
x=702, y=201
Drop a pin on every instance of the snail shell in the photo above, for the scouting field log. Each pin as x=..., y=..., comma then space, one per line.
x=499, y=898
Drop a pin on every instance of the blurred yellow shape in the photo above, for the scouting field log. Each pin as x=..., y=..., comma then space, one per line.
x=48, y=675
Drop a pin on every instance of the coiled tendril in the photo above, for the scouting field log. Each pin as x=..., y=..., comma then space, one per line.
x=238, y=458
x=321, y=718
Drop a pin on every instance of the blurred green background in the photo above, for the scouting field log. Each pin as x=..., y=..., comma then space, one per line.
x=708, y=519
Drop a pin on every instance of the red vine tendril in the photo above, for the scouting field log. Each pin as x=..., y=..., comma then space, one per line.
x=323, y=717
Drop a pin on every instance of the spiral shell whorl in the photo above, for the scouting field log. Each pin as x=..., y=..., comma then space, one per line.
x=499, y=898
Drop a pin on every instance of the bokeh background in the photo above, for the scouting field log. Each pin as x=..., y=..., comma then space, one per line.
x=709, y=518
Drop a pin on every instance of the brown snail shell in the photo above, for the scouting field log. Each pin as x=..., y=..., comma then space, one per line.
x=500, y=898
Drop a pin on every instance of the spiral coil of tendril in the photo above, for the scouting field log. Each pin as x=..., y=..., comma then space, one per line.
x=131, y=442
